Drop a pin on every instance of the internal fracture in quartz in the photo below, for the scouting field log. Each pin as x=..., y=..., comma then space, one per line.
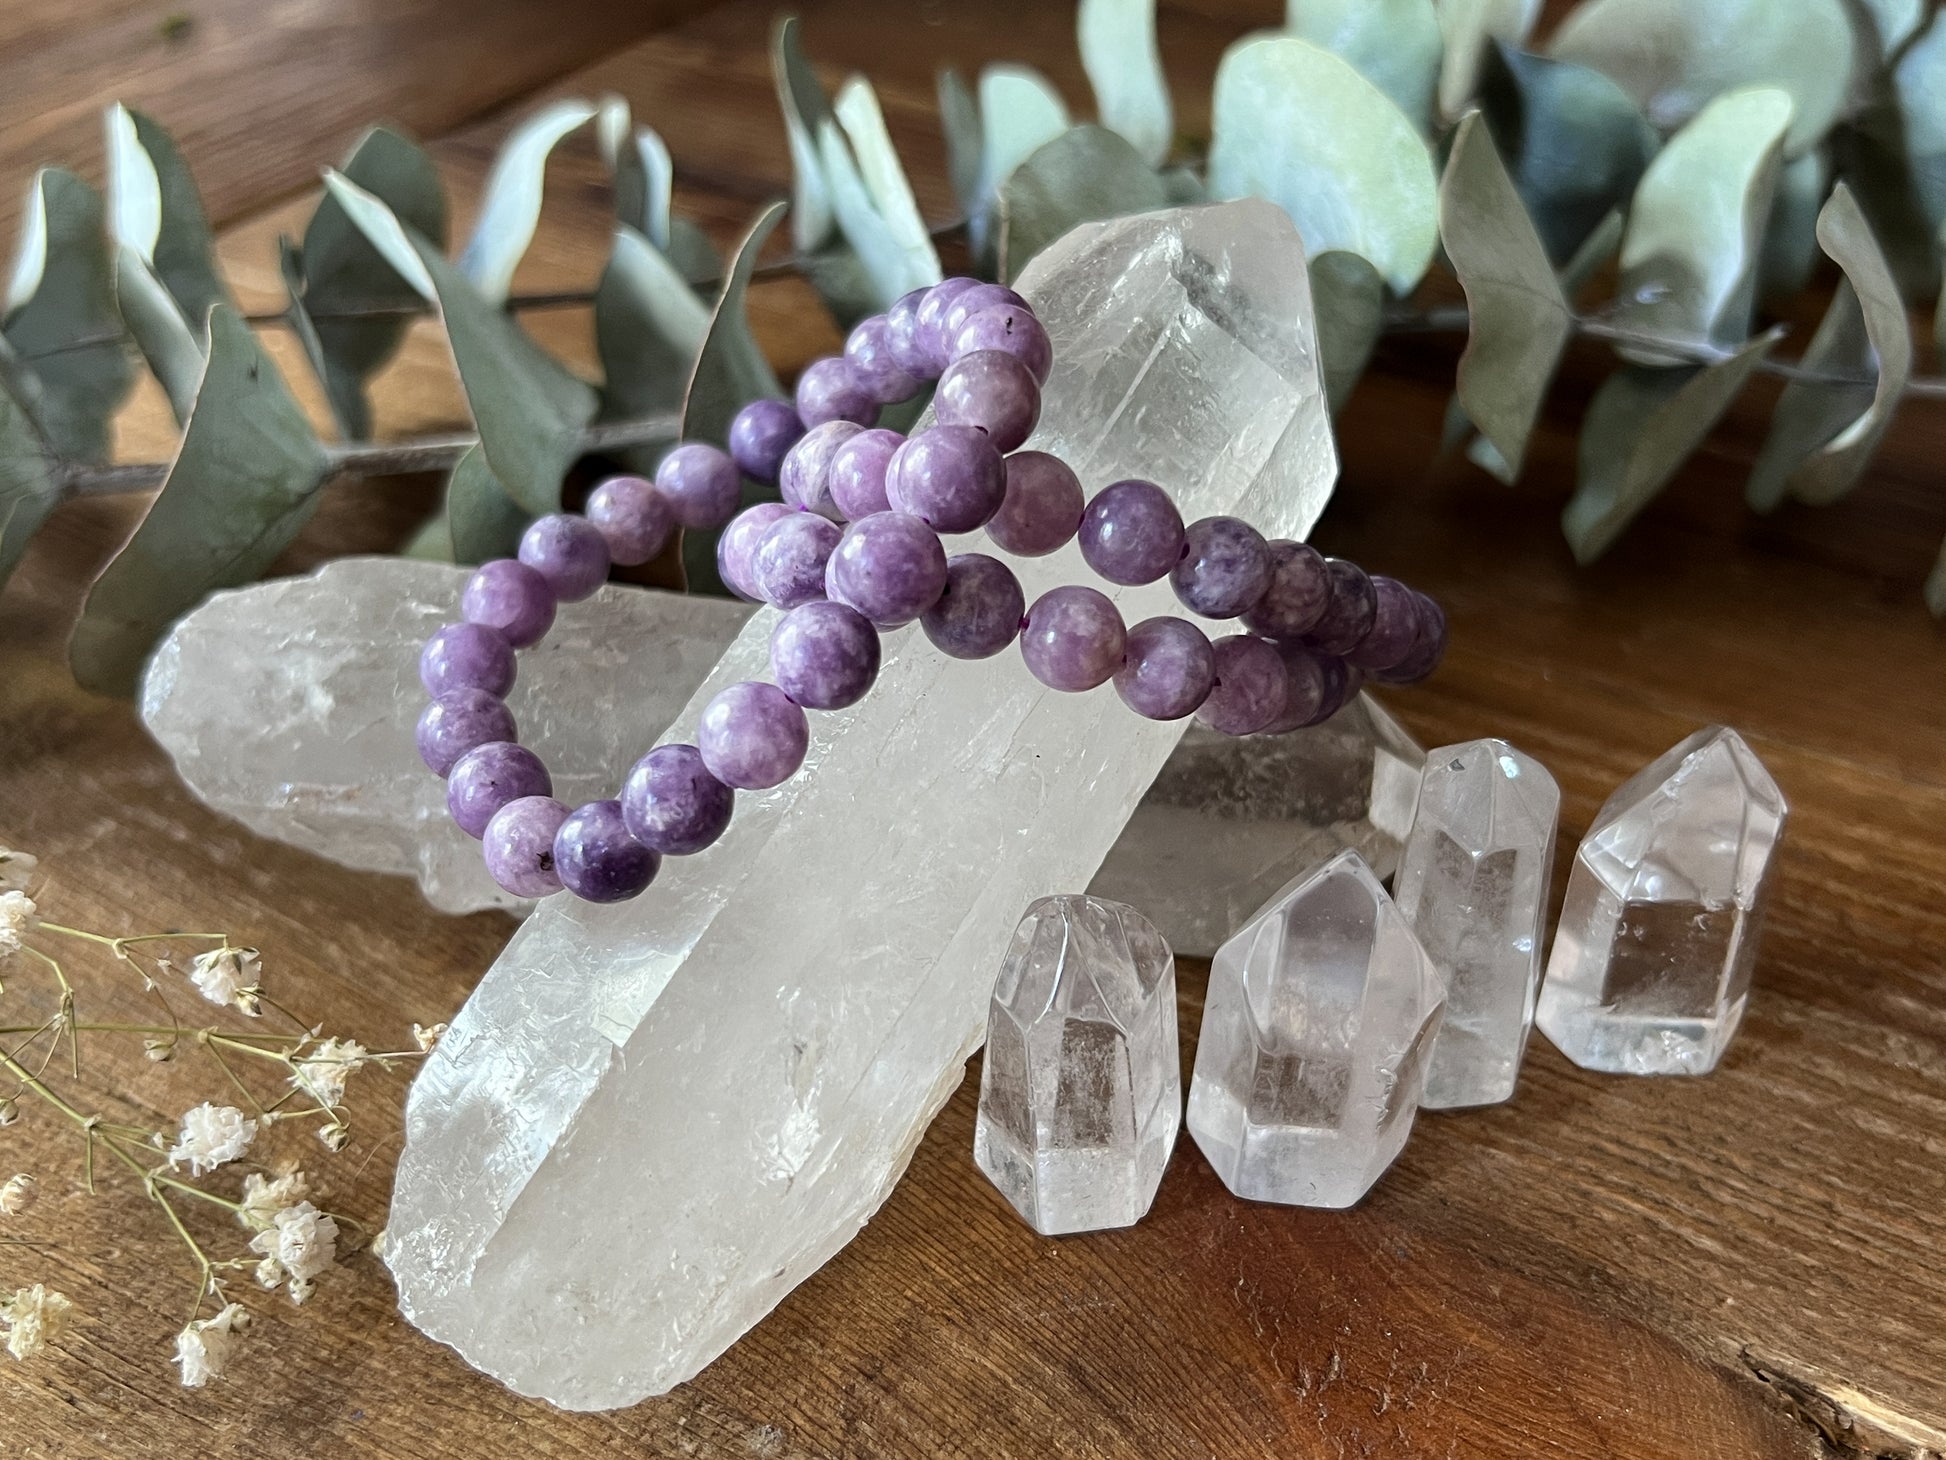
x=1650, y=969
x=1081, y=1083
x=1473, y=882
x=1317, y=1030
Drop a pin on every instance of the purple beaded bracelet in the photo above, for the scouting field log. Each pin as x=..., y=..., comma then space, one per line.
x=1315, y=627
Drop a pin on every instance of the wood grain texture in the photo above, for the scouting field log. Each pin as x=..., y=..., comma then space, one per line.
x=1751, y=1265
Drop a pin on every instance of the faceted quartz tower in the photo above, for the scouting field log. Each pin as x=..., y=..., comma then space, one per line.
x=1321, y=1016
x=1473, y=883
x=1081, y=1083
x=1651, y=961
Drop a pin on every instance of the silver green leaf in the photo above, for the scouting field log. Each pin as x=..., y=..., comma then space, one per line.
x=174, y=350
x=644, y=182
x=649, y=329
x=806, y=109
x=872, y=198
x=1298, y=125
x=154, y=209
x=1118, y=52
x=1894, y=157
x=1470, y=29
x=1395, y=44
x=1020, y=113
x=510, y=207
x=1641, y=426
x=959, y=123
x=29, y=488
x=483, y=521
x=1086, y=173
x=244, y=481
x=1348, y=301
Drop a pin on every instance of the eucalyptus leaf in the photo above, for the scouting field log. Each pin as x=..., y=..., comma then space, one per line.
x=1676, y=56
x=433, y=542
x=1695, y=229
x=62, y=293
x=730, y=372
x=649, y=329
x=1395, y=44
x=1020, y=113
x=1790, y=241
x=644, y=173
x=510, y=206
x=959, y=123
x=1348, y=302
x=1807, y=414
x=172, y=348
x=1118, y=52
x=1296, y=124
x=244, y=481
x=1895, y=158
x=484, y=522
x=154, y=209
x=1893, y=22
x=806, y=109
x=894, y=211
x=1469, y=29
x=1183, y=187
x=1086, y=173
x=29, y=488
x=1641, y=426
x=1518, y=319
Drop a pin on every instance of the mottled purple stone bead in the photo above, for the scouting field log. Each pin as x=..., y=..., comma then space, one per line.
x=1131, y=533
x=1250, y=687
x=596, y=858
x=1168, y=669
x=632, y=517
x=1349, y=615
x=753, y=736
x=889, y=566
x=979, y=613
x=487, y=777
x=459, y=720
x=788, y=566
x=470, y=656
x=1341, y=685
x=1309, y=682
x=1297, y=595
x=736, y=546
x=1042, y=506
x=969, y=302
x=992, y=391
x=804, y=479
x=929, y=322
x=672, y=804
x=1395, y=626
x=902, y=336
x=569, y=551
x=1012, y=330
x=519, y=845
x=1225, y=567
x=701, y=484
x=511, y=597
x=1428, y=650
x=831, y=390
x=855, y=478
x=760, y=434
x=950, y=477
x=824, y=655
x=1073, y=638
x=868, y=349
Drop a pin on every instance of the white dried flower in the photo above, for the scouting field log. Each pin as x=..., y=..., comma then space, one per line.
x=18, y=918
x=426, y=1036
x=211, y=1135
x=17, y=1194
x=301, y=1245
x=269, y=1273
x=34, y=1317
x=16, y=869
x=264, y=1198
x=203, y=1349
x=228, y=976
x=335, y=1136
x=324, y=1070
x=9, y=1111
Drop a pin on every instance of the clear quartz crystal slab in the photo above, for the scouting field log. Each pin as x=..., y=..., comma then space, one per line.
x=1317, y=1029
x=651, y=1121
x=1650, y=969
x=1081, y=1082
x=1473, y=882
x=1233, y=818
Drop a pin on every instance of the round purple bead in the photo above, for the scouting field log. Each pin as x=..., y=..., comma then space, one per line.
x=889, y=566
x=1012, y=330
x=992, y=391
x=1349, y=615
x=456, y=722
x=760, y=434
x=596, y=858
x=471, y=656
x=929, y=323
x=1250, y=688
x=831, y=390
x=969, y=302
x=1341, y=685
x=487, y=777
x=1395, y=626
x=1298, y=593
x=519, y=845
x=511, y=597
x=788, y=566
x=1131, y=533
x=1073, y=638
x=1225, y=570
x=1042, y=507
x=804, y=480
x=902, y=336
x=1168, y=671
x=868, y=349
x=736, y=546
x=1428, y=650
x=855, y=479
x=1309, y=682
x=950, y=477
x=567, y=550
x=979, y=613
x=701, y=484
x=672, y=804
x=753, y=736
x=824, y=655
x=632, y=517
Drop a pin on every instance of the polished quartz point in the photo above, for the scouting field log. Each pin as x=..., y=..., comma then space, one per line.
x=1473, y=882
x=1320, y=1020
x=1081, y=1085
x=1651, y=963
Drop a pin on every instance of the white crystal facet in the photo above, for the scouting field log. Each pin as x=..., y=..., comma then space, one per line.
x=1651, y=963
x=1081, y=1082
x=1233, y=818
x=1473, y=882
x=1320, y=1019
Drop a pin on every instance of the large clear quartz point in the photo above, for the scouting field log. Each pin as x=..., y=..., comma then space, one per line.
x=1233, y=818
x=1651, y=963
x=1320, y=1019
x=1473, y=883
x=1081, y=1083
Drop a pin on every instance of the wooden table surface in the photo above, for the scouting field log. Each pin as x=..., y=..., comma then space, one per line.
x=1752, y=1265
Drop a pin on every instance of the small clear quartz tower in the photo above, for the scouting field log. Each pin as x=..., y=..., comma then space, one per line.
x=1651, y=963
x=1473, y=882
x=1081, y=1086
x=1321, y=1016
